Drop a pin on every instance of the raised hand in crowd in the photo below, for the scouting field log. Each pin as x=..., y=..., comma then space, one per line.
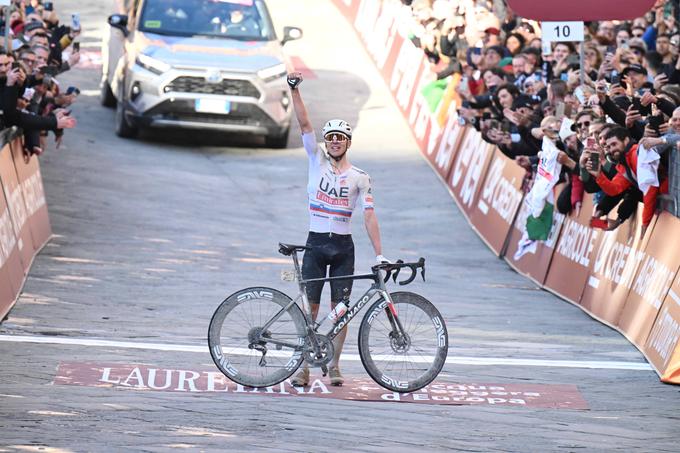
x=15, y=77
x=73, y=59
x=632, y=115
x=524, y=162
x=64, y=121
x=564, y=159
x=660, y=81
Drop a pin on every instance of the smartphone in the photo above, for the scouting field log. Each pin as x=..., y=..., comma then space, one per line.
x=75, y=21
x=16, y=65
x=505, y=125
x=49, y=6
x=594, y=161
x=655, y=122
x=49, y=70
x=76, y=47
x=559, y=110
x=591, y=143
x=73, y=90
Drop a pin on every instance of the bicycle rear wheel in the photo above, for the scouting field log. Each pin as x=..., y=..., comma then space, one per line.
x=244, y=351
x=403, y=363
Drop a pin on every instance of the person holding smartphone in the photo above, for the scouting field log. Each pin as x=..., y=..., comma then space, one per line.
x=624, y=152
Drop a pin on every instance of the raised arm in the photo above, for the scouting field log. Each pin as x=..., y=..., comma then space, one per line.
x=294, y=80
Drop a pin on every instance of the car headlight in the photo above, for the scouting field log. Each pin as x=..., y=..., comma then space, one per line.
x=153, y=65
x=273, y=72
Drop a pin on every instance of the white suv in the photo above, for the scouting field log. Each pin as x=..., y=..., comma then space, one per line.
x=198, y=64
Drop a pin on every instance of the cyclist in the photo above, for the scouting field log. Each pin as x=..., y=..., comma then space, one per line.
x=334, y=187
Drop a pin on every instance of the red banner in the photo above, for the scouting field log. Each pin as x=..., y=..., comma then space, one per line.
x=17, y=207
x=613, y=270
x=494, y=213
x=442, y=156
x=658, y=265
x=581, y=10
x=11, y=267
x=30, y=180
x=570, y=264
x=469, y=168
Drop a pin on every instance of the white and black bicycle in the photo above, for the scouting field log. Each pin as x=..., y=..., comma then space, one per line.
x=259, y=336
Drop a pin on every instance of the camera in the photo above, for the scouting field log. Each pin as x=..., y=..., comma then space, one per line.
x=76, y=47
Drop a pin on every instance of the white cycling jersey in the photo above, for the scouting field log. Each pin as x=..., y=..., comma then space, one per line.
x=333, y=197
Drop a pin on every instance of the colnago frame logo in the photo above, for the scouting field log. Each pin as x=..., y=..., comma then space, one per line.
x=350, y=314
x=378, y=309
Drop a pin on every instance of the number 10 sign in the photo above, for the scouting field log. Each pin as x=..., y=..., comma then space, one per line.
x=562, y=31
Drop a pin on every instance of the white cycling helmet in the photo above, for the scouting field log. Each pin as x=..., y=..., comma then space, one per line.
x=341, y=126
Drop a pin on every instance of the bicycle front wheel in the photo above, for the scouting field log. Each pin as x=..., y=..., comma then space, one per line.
x=409, y=359
x=248, y=351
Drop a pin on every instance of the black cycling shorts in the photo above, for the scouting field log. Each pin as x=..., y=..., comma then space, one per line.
x=336, y=251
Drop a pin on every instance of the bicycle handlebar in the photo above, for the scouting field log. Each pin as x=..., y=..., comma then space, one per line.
x=397, y=266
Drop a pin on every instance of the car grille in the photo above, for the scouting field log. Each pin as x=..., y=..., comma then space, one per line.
x=183, y=110
x=231, y=87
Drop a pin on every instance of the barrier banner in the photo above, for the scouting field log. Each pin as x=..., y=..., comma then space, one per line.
x=348, y=8
x=613, y=270
x=494, y=213
x=662, y=348
x=11, y=267
x=30, y=181
x=570, y=264
x=17, y=208
x=444, y=153
x=658, y=265
x=534, y=264
x=469, y=169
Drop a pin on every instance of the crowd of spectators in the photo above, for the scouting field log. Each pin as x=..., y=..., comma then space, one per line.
x=515, y=89
x=31, y=96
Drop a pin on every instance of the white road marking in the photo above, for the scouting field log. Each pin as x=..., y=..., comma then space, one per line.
x=453, y=360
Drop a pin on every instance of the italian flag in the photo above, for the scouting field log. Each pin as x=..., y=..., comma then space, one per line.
x=540, y=200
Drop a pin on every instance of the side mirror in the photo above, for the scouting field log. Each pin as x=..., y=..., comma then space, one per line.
x=119, y=22
x=291, y=34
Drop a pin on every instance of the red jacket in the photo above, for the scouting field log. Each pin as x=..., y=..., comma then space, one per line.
x=624, y=180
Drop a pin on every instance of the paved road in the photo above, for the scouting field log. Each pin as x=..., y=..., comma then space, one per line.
x=150, y=235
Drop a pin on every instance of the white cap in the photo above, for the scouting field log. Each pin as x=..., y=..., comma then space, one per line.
x=567, y=129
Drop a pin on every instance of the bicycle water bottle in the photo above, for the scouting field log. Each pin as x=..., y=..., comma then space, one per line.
x=339, y=310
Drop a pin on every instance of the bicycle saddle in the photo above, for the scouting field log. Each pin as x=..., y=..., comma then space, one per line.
x=289, y=249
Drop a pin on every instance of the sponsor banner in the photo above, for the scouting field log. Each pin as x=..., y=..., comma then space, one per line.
x=356, y=388
x=575, y=249
x=534, y=264
x=662, y=347
x=348, y=8
x=468, y=171
x=17, y=208
x=658, y=266
x=11, y=267
x=30, y=180
x=612, y=272
x=442, y=156
x=494, y=212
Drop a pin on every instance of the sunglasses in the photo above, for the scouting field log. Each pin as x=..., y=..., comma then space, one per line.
x=583, y=124
x=335, y=137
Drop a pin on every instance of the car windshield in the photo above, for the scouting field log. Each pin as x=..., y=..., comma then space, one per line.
x=235, y=19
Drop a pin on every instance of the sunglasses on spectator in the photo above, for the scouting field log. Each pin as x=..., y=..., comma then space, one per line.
x=335, y=137
x=583, y=124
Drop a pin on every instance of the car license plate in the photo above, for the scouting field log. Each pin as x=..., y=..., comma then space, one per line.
x=213, y=106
